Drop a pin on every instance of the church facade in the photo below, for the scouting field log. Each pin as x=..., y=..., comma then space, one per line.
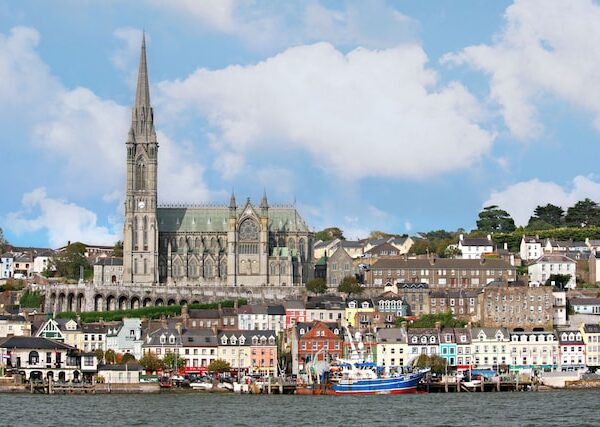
x=180, y=254
x=231, y=245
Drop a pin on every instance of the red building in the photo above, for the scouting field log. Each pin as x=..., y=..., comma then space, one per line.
x=319, y=341
x=295, y=313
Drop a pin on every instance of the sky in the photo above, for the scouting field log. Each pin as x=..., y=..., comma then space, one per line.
x=402, y=116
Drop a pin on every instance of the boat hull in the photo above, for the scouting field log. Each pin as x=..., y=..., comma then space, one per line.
x=398, y=385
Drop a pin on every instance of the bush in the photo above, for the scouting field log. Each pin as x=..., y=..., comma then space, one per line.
x=31, y=299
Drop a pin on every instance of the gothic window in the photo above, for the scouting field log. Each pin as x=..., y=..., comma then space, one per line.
x=193, y=269
x=145, y=233
x=174, y=244
x=135, y=266
x=301, y=248
x=198, y=243
x=177, y=268
x=208, y=269
x=223, y=271
x=249, y=230
x=181, y=242
x=145, y=266
x=281, y=242
x=291, y=244
x=213, y=244
x=140, y=176
x=135, y=233
x=282, y=269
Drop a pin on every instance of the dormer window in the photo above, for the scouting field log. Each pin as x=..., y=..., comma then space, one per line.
x=255, y=339
x=336, y=331
x=224, y=340
x=233, y=340
x=424, y=340
x=415, y=340
x=263, y=340
x=242, y=340
x=352, y=304
x=271, y=340
x=172, y=339
x=432, y=339
x=163, y=339
x=301, y=331
x=365, y=305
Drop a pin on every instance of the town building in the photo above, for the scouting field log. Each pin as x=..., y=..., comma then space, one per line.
x=462, y=303
x=571, y=350
x=392, y=347
x=423, y=341
x=585, y=305
x=448, y=346
x=415, y=296
x=516, y=305
x=318, y=341
x=591, y=338
x=109, y=271
x=439, y=272
x=531, y=248
x=251, y=352
x=356, y=306
x=125, y=373
x=475, y=247
x=94, y=336
x=390, y=303
x=326, y=308
x=546, y=265
x=67, y=331
x=126, y=337
x=199, y=348
x=295, y=312
x=594, y=266
x=339, y=266
x=14, y=325
x=533, y=350
x=490, y=347
x=39, y=358
x=463, y=348
x=6, y=265
x=260, y=317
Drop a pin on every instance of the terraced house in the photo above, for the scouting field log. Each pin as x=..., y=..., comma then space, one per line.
x=440, y=272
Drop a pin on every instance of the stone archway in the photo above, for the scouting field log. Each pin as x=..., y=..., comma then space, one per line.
x=99, y=302
x=196, y=302
x=171, y=302
x=70, y=302
x=147, y=302
x=111, y=303
x=52, y=301
x=61, y=302
x=123, y=303
x=134, y=303
x=159, y=302
x=80, y=302
x=183, y=302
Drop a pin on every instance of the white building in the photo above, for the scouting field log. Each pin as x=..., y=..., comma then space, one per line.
x=6, y=265
x=533, y=350
x=200, y=348
x=531, y=248
x=14, y=325
x=585, y=305
x=547, y=265
x=489, y=347
x=392, y=347
x=126, y=337
x=560, y=307
x=475, y=247
x=571, y=350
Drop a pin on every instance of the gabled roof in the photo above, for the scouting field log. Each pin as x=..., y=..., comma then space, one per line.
x=553, y=258
x=276, y=310
x=109, y=261
x=585, y=301
x=392, y=335
x=199, y=338
x=204, y=313
x=35, y=343
x=293, y=304
x=446, y=263
x=476, y=241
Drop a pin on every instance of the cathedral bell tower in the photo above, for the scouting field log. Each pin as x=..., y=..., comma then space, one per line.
x=140, y=229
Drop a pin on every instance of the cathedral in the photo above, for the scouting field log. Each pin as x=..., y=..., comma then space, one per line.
x=234, y=245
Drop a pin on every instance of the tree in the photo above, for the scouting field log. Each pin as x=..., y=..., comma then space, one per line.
x=583, y=214
x=69, y=261
x=99, y=355
x=330, y=233
x=349, y=285
x=127, y=357
x=436, y=363
x=118, y=249
x=172, y=362
x=560, y=280
x=316, y=286
x=110, y=357
x=151, y=363
x=422, y=247
x=3, y=241
x=492, y=218
x=378, y=234
x=550, y=214
x=538, y=224
x=219, y=366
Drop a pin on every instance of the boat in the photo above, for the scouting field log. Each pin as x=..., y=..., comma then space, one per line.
x=358, y=375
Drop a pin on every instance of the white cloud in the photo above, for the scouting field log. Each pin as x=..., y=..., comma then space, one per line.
x=407, y=225
x=268, y=25
x=521, y=199
x=61, y=220
x=547, y=48
x=365, y=113
x=126, y=57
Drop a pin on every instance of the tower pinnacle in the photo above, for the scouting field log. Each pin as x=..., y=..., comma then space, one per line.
x=142, y=93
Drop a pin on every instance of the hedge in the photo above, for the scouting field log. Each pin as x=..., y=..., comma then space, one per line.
x=143, y=313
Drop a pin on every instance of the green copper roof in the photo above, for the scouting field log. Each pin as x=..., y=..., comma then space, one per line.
x=215, y=218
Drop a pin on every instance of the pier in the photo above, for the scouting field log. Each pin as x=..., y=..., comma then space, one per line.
x=450, y=384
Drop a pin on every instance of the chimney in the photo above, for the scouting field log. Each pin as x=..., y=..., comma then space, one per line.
x=403, y=326
x=101, y=320
x=438, y=326
x=461, y=237
x=235, y=304
x=163, y=321
x=215, y=330
x=505, y=246
x=179, y=327
x=512, y=260
x=489, y=237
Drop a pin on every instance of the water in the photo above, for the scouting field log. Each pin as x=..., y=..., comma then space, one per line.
x=553, y=408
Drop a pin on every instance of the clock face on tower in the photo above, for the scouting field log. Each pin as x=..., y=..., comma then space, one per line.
x=141, y=205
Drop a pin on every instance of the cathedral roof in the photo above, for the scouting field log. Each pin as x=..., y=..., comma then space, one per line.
x=215, y=219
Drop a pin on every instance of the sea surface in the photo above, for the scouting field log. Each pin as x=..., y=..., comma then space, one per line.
x=548, y=408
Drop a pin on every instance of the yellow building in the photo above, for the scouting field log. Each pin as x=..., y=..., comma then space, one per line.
x=591, y=338
x=392, y=347
x=355, y=306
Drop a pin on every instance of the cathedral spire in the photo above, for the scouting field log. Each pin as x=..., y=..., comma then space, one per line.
x=232, y=204
x=264, y=205
x=142, y=93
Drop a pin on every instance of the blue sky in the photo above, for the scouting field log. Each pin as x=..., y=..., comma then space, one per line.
x=402, y=116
